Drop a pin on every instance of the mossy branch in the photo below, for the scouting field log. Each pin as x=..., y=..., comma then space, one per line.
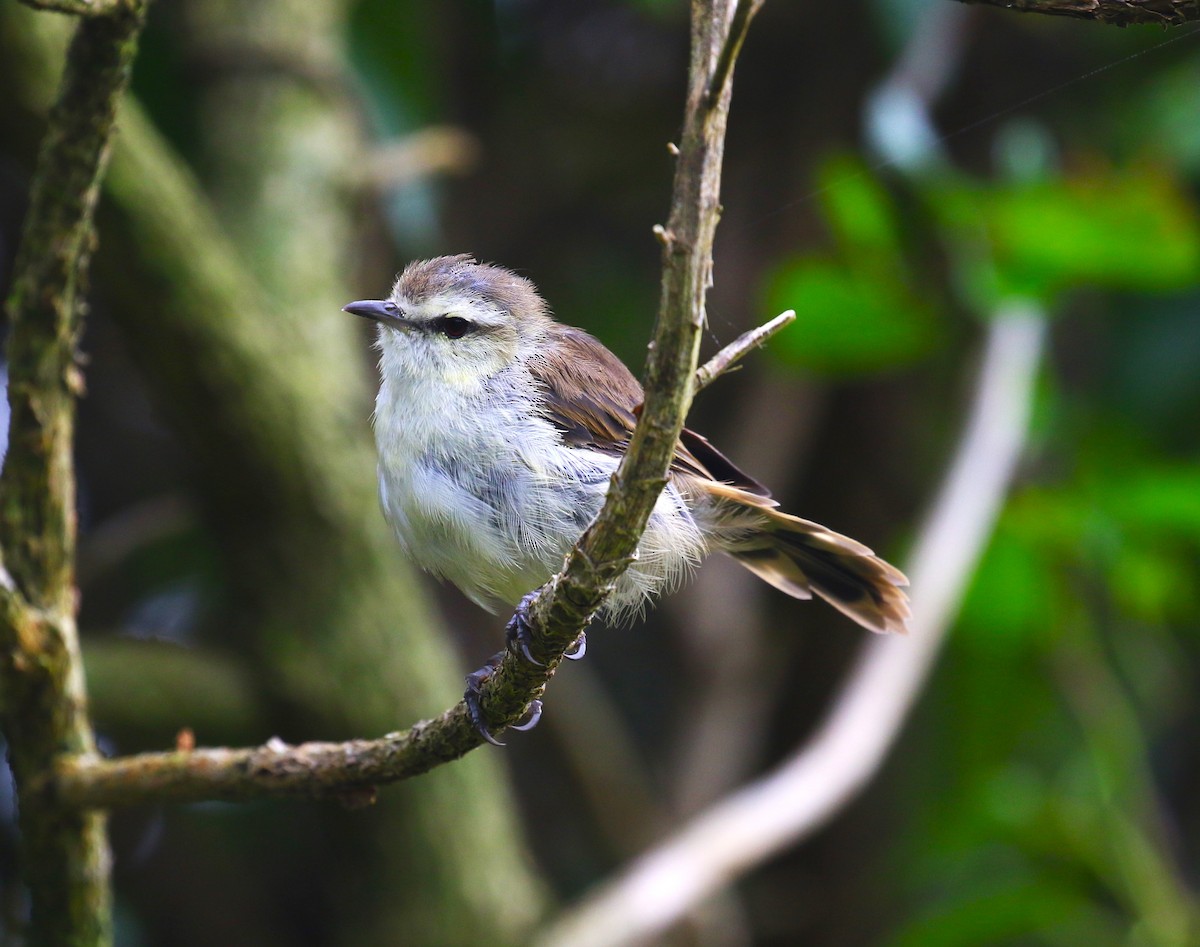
x=64, y=856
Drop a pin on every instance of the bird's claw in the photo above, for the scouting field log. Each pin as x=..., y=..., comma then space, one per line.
x=533, y=713
x=578, y=649
x=518, y=636
x=518, y=633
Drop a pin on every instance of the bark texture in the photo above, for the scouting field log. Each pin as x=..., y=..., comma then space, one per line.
x=64, y=851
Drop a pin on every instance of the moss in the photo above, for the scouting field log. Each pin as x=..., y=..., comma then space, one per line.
x=64, y=851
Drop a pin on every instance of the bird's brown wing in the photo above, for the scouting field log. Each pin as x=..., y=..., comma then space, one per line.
x=594, y=400
x=716, y=465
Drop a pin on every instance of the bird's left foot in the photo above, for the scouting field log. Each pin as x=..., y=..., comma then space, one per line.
x=475, y=682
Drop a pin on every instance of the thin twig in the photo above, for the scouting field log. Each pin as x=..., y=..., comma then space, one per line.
x=732, y=46
x=736, y=350
x=1113, y=12
x=830, y=769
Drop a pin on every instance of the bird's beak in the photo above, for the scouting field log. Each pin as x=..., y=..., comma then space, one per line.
x=381, y=310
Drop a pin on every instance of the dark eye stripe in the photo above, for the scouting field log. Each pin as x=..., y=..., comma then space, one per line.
x=452, y=327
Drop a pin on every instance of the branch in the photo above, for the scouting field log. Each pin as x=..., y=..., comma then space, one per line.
x=564, y=606
x=65, y=853
x=1115, y=12
x=738, y=349
x=723, y=71
x=87, y=8
x=348, y=770
x=829, y=770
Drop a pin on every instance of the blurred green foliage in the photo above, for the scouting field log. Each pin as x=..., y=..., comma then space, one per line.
x=867, y=309
x=1134, y=228
x=860, y=310
x=1046, y=803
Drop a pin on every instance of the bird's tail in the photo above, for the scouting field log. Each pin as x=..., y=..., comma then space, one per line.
x=800, y=558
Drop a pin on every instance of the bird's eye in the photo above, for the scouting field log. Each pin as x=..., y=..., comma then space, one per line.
x=452, y=327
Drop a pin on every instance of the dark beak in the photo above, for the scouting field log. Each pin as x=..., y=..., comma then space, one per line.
x=380, y=310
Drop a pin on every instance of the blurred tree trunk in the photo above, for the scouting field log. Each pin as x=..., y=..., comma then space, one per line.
x=263, y=377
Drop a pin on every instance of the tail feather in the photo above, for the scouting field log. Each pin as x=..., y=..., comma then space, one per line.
x=801, y=558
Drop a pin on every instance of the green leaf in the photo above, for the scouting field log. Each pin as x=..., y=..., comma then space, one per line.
x=1150, y=584
x=1133, y=229
x=848, y=320
x=1162, y=500
x=859, y=209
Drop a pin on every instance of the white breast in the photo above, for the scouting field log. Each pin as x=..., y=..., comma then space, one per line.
x=481, y=491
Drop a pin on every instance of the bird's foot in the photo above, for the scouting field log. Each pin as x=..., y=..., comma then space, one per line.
x=475, y=682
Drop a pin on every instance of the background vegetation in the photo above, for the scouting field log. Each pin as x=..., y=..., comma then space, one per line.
x=897, y=172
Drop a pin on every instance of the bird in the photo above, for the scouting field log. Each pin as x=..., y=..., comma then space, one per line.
x=498, y=431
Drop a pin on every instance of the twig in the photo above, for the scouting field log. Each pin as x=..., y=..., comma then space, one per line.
x=841, y=757
x=736, y=350
x=1114, y=12
x=65, y=853
x=308, y=771
x=723, y=70
x=440, y=149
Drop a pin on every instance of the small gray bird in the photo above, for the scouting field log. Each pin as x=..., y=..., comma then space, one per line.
x=499, y=429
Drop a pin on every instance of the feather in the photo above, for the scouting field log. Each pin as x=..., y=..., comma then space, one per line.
x=800, y=557
x=594, y=400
